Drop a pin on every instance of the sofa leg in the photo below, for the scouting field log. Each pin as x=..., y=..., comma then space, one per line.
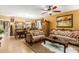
x=31, y=44
x=44, y=42
x=64, y=49
x=65, y=46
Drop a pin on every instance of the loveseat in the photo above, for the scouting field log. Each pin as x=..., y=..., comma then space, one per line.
x=65, y=36
x=35, y=36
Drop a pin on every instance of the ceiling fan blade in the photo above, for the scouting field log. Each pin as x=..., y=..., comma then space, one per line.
x=57, y=11
x=49, y=7
x=43, y=12
x=54, y=7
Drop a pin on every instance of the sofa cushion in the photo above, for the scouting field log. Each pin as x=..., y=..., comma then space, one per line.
x=38, y=38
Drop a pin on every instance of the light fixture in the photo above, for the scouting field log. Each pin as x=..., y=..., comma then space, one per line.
x=50, y=13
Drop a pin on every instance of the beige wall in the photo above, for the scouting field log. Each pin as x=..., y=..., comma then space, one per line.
x=75, y=13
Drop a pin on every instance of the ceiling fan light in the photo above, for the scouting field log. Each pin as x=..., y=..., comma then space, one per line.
x=49, y=13
x=54, y=7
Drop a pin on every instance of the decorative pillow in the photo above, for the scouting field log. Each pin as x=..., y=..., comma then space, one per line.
x=55, y=32
x=52, y=32
x=66, y=33
x=70, y=34
x=35, y=33
x=41, y=33
x=76, y=34
x=60, y=32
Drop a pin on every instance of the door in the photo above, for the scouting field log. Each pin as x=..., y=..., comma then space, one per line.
x=11, y=30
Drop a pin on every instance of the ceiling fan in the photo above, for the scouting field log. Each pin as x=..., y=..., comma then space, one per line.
x=51, y=9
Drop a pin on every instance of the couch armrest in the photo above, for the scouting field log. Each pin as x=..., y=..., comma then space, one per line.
x=29, y=38
x=77, y=39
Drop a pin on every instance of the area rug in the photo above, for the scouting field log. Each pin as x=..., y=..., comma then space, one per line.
x=38, y=48
x=57, y=48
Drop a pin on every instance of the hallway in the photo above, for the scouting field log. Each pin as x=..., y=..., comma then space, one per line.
x=15, y=46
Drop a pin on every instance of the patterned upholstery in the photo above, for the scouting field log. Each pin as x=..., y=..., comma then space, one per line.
x=36, y=33
x=35, y=36
x=70, y=36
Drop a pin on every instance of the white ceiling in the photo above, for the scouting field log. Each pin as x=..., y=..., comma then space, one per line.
x=30, y=11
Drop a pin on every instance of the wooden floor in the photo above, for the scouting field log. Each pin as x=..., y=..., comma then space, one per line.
x=15, y=46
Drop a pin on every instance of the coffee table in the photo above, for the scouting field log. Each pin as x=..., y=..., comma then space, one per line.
x=65, y=44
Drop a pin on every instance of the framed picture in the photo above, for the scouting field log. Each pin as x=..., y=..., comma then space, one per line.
x=65, y=21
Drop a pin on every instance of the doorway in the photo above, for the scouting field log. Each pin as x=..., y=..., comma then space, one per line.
x=11, y=30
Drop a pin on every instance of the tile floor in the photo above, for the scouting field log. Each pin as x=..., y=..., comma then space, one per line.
x=15, y=46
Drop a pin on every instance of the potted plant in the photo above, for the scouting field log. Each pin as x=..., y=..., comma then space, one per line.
x=1, y=33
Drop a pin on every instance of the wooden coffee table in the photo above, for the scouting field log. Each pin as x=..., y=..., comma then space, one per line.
x=65, y=44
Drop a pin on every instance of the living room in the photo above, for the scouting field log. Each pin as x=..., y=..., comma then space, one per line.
x=39, y=29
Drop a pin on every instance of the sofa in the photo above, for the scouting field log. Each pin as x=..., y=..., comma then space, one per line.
x=35, y=36
x=65, y=36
